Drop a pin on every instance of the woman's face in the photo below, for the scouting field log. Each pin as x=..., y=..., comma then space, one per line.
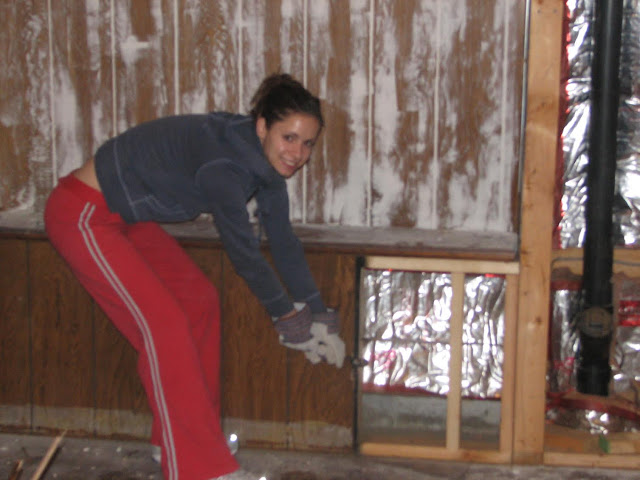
x=287, y=144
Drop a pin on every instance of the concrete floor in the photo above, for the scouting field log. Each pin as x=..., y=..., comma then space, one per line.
x=84, y=459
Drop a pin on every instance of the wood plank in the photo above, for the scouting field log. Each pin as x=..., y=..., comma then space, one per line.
x=122, y=407
x=631, y=462
x=512, y=91
x=81, y=82
x=321, y=397
x=541, y=154
x=405, y=56
x=25, y=129
x=254, y=365
x=454, y=395
x=476, y=174
x=15, y=368
x=272, y=41
x=62, y=355
x=559, y=439
x=425, y=451
x=210, y=261
x=507, y=395
x=144, y=52
x=441, y=265
x=400, y=242
x=392, y=241
x=338, y=63
x=625, y=260
x=208, y=53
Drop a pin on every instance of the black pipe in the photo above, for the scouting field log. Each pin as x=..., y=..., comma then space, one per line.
x=595, y=322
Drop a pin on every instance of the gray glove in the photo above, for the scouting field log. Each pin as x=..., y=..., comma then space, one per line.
x=295, y=331
x=325, y=330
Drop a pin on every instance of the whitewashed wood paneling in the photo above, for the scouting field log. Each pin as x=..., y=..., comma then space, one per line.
x=421, y=97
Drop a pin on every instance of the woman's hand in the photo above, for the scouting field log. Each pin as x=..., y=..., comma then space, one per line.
x=317, y=335
x=325, y=329
x=294, y=330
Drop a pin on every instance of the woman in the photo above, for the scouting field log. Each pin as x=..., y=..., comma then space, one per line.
x=101, y=219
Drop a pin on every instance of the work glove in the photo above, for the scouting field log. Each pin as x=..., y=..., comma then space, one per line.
x=330, y=347
x=295, y=331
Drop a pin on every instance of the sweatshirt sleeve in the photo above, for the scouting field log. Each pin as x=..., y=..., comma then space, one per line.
x=286, y=249
x=225, y=195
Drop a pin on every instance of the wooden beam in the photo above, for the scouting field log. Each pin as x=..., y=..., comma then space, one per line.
x=479, y=454
x=508, y=365
x=541, y=155
x=454, y=397
x=441, y=265
x=625, y=260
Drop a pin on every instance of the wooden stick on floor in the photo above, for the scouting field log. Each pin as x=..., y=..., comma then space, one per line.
x=47, y=458
x=16, y=471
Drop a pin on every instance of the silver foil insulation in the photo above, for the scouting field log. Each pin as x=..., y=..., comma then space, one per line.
x=405, y=335
x=567, y=302
x=624, y=359
x=575, y=134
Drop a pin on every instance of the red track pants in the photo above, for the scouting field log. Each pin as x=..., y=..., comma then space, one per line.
x=169, y=311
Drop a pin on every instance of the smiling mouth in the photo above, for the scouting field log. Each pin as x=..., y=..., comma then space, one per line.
x=290, y=164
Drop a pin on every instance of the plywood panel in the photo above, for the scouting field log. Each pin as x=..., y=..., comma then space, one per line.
x=436, y=144
x=321, y=397
x=15, y=376
x=144, y=59
x=62, y=342
x=405, y=55
x=476, y=173
x=81, y=62
x=254, y=365
x=121, y=403
x=208, y=66
x=272, y=41
x=25, y=169
x=337, y=176
x=512, y=93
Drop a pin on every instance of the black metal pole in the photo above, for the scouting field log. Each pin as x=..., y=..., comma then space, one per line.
x=595, y=323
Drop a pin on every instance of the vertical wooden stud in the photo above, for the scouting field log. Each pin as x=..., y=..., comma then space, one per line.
x=454, y=396
x=508, y=363
x=541, y=155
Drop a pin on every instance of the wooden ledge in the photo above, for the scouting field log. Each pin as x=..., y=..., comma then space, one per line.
x=393, y=241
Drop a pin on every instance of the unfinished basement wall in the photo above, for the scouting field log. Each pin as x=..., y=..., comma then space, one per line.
x=422, y=97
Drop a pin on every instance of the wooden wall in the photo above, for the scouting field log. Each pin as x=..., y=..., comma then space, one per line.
x=64, y=366
x=126, y=62
x=422, y=97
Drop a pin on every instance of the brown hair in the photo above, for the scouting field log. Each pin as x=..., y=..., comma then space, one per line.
x=280, y=95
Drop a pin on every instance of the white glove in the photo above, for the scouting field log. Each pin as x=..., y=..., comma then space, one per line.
x=330, y=346
x=295, y=331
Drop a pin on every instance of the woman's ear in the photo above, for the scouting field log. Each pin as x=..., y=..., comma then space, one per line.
x=261, y=128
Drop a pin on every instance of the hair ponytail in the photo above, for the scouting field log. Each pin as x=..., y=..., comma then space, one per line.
x=280, y=95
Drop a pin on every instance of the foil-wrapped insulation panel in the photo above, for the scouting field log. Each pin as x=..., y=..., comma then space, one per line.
x=575, y=133
x=625, y=358
x=405, y=334
x=567, y=298
x=564, y=340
